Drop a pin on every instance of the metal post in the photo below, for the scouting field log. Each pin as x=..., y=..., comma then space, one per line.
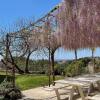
x=13, y=74
x=49, y=65
x=7, y=46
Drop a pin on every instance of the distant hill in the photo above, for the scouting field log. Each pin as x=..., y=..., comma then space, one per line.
x=42, y=65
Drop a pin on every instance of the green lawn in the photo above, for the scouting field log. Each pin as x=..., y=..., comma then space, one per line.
x=31, y=81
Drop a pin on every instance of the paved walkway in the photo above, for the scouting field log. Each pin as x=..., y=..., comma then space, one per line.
x=43, y=93
x=46, y=93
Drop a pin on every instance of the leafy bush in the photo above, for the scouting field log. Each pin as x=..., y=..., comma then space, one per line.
x=85, y=61
x=13, y=94
x=2, y=78
x=59, y=69
x=6, y=90
x=76, y=68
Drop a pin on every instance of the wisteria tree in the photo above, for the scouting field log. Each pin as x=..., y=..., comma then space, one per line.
x=79, y=23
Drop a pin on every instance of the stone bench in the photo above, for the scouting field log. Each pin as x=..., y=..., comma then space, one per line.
x=61, y=91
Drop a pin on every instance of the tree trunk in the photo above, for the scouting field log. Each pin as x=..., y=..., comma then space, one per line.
x=16, y=66
x=27, y=63
x=75, y=54
x=52, y=64
x=92, y=53
x=11, y=60
x=19, y=70
x=93, y=49
x=13, y=63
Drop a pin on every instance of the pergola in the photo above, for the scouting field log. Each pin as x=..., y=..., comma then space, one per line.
x=74, y=24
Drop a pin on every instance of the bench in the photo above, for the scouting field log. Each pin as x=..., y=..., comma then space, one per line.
x=62, y=90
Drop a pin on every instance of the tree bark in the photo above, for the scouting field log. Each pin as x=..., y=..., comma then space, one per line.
x=27, y=63
x=13, y=63
x=19, y=70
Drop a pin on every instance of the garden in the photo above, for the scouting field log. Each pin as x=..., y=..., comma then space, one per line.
x=70, y=25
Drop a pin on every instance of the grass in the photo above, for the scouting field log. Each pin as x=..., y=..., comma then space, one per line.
x=25, y=82
x=2, y=72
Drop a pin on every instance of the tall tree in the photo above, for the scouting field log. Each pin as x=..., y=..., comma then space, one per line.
x=30, y=40
x=32, y=43
x=7, y=46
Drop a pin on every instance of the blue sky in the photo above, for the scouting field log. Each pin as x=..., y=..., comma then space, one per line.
x=12, y=10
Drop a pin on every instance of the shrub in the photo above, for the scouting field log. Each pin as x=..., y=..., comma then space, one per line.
x=6, y=90
x=13, y=94
x=75, y=68
x=5, y=86
x=2, y=78
x=59, y=68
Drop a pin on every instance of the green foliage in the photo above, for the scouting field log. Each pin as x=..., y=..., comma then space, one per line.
x=35, y=66
x=97, y=63
x=59, y=68
x=85, y=60
x=5, y=86
x=76, y=68
x=2, y=78
x=6, y=90
x=72, y=68
x=13, y=94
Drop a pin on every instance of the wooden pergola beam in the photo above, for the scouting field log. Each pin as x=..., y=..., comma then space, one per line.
x=39, y=20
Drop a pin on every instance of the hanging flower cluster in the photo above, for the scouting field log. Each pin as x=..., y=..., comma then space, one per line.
x=79, y=23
